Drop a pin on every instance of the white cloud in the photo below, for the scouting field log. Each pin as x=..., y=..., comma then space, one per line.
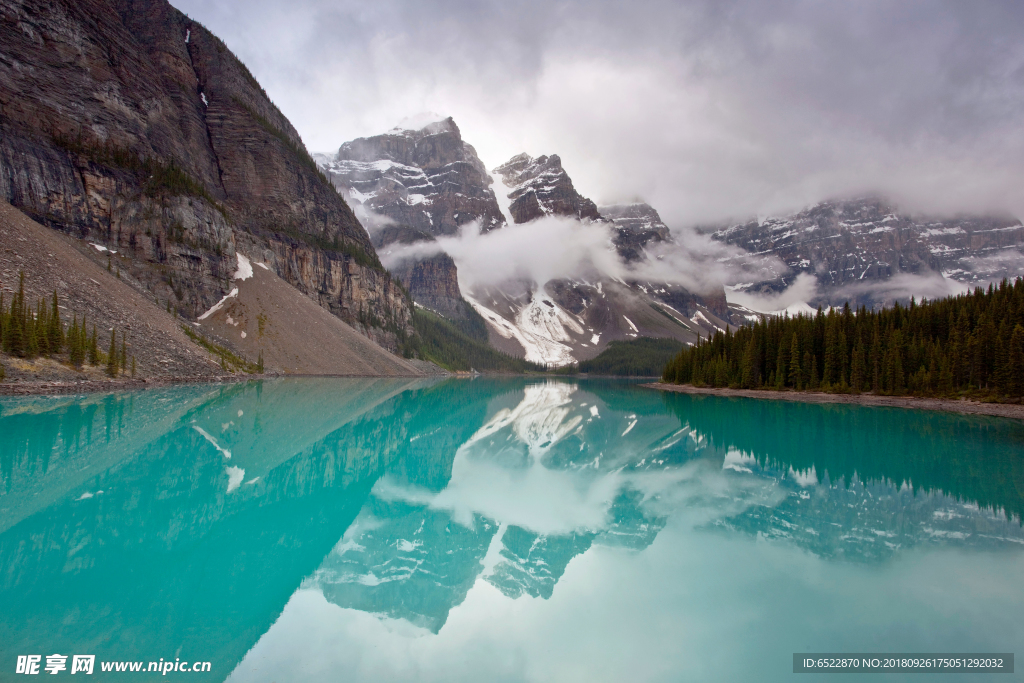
x=556, y=247
x=708, y=108
x=903, y=286
x=795, y=299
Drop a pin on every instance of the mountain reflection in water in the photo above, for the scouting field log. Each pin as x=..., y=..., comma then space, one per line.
x=180, y=522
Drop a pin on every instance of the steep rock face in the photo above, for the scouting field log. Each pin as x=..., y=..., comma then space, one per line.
x=433, y=281
x=413, y=185
x=845, y=244
x=541, y=187
x=636, y=225
x=427, y=179
x=434, y=284
x=129, y=124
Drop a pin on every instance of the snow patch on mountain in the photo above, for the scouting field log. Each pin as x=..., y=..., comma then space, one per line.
x=501, y=194
x=220, y=304
x=532, y=334
x=244, y=271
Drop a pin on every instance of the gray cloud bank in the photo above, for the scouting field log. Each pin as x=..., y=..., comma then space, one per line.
x=557, y=247
x=708, y=109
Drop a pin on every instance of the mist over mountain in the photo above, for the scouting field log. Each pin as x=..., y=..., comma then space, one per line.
x=868, y=251
x=711, y=110
x=192, y=168
x=552, y=278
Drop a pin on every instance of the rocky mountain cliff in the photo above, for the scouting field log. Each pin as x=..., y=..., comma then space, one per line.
x=427, y=179
x=850, y=245
x=566, y=320
x=541, y=187
x=125, y=122
x=410, y=185
x=636, y=225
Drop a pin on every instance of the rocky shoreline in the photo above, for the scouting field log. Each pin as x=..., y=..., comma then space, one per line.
x=93, y=385
x=90, y=386
x=1013, y=411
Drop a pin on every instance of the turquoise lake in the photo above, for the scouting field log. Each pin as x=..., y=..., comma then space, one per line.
x=501, y=530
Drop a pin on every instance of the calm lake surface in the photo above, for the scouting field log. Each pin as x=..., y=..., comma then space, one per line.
x=501, y=530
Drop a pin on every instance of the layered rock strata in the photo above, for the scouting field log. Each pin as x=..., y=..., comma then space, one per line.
x=410, y=185
x=636, y=225
x=540, y=187
x=128, y=123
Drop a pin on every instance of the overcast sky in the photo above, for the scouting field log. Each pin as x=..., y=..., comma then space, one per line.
x=707, y=109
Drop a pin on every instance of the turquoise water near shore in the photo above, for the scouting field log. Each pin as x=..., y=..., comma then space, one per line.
x=500, y=530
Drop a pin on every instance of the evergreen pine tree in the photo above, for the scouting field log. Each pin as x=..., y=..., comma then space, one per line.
x=75, y=344
x=781, y=365
x=796, y=379
x=133, y=367
x=844, y=359
x=1015, y=362
x=31, y=337
x=16, y=345
x=112, y=355
x=94, y=348
x=830, y=374
x=55, y=333
x=123, y=361
x=42, y=329
x=858, y=371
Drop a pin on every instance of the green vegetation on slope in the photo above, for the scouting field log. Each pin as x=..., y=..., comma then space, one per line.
x=156, y=177
x=27, y=333
x=972, y=344
x=457, y=346
x=643, y=357
x=300, y=152
x=229, y=360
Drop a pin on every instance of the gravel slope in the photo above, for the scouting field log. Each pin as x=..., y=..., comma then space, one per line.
x=51, y=260
x=298, y=336
x=295, y=335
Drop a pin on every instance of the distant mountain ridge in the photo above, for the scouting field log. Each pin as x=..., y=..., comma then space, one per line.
x=849, y=245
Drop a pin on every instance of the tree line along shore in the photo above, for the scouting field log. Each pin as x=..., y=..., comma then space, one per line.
x=970, y=345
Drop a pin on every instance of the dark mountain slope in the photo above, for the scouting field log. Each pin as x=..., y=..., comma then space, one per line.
x=125, y=121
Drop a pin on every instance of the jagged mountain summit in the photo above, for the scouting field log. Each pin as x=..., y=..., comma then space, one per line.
x=541, y=187
x=131, y=125
x=852, y=244
x=410, y=186
x=566, y=320
x=427, y=179
x=413, y=186
x=410, y=193
x=636, y=225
